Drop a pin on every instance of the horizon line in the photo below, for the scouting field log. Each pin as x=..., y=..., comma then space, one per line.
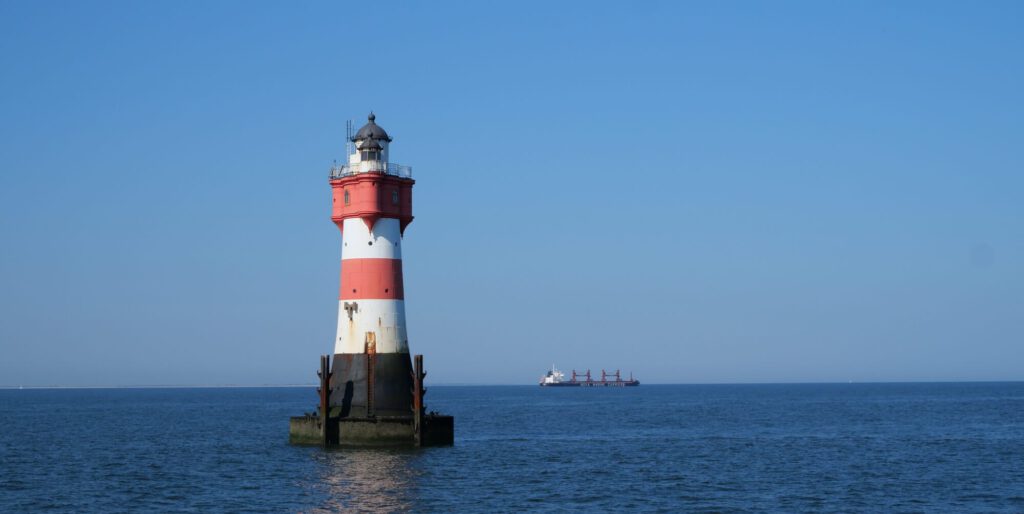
x=478, y=384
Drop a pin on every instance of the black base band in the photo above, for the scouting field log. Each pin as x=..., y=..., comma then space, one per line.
x=392, y=381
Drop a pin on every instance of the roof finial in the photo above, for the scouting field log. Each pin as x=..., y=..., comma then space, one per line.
x=371, y=117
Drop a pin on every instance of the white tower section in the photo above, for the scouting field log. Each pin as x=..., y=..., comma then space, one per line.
x=384, y=317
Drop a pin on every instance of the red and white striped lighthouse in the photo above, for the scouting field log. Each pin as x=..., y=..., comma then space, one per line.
x=372, y=371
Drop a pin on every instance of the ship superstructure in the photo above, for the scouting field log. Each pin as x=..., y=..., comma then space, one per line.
x=555, y=378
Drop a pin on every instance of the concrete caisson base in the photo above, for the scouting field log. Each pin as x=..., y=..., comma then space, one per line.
x=356, y=418
x=304, y=430
x=438, y=430
x=375, y=432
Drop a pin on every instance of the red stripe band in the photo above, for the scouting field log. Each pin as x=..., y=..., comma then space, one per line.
x=371, y=279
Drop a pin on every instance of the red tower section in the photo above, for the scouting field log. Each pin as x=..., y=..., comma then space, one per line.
x=370, y=196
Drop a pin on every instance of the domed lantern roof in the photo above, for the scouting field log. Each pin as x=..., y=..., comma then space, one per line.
x=368, y=144
x=371, y=131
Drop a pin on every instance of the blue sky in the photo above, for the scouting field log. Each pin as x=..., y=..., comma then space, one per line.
x=697, y=192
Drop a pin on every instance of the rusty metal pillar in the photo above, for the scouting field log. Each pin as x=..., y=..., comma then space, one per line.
x=371, y=367
x=417, y=398
x=325, y=396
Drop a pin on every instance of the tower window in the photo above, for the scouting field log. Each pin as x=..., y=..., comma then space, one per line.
x=347, y=199
x=394, y=197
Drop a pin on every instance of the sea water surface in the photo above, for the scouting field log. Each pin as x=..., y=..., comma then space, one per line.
x=955, y=447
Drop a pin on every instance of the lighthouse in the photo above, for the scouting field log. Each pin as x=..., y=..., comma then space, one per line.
x=371, y=391
x=372, y=205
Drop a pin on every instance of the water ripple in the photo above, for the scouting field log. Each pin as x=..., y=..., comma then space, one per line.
x=806, y=448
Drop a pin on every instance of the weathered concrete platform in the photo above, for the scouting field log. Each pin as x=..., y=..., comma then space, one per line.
x=438, y=430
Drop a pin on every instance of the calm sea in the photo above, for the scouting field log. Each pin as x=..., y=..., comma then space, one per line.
x=721, y=448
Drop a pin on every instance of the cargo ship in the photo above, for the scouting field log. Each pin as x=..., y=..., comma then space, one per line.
x=555, y=378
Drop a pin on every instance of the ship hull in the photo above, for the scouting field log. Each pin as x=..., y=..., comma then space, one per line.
x=594, y=383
